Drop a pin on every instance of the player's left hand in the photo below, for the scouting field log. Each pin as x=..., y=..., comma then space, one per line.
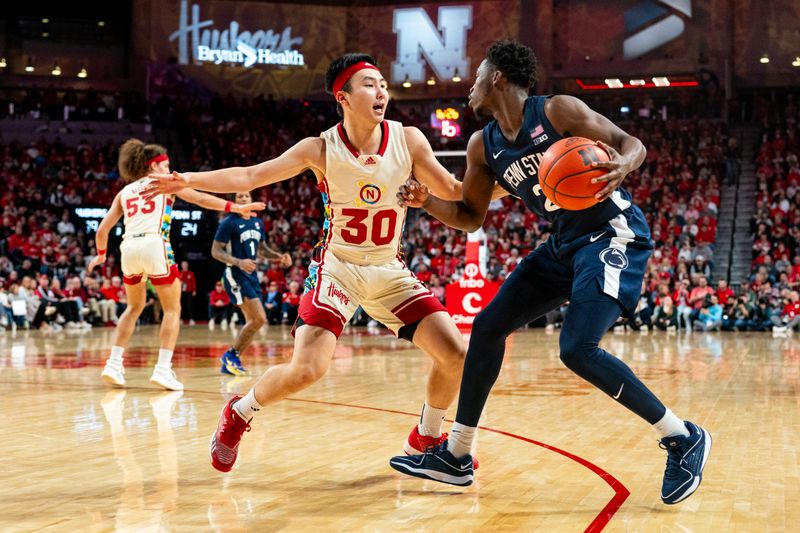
x=285, y=260
x=618, y=167
x=412, y=194
x=248, y=210
x=96, y=262
x=164, y=184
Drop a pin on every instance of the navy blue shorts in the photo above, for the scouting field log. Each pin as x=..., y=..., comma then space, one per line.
x=610, y=260
x=241, y=285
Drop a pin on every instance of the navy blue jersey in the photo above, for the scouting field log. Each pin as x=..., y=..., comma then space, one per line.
x=515, y=166
x=244, y=235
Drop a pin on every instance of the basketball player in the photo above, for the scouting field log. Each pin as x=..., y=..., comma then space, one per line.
x=147, y=254
x=246, y=240
x=360, y=163
x=595, y=258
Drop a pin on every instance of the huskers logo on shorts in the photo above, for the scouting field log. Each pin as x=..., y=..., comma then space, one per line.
x=615, y=258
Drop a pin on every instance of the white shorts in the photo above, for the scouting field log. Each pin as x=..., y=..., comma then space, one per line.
x=389, y=293
x=148, y=257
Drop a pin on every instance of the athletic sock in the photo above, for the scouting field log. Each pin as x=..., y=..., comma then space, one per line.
x=248, y=406
x=164, y=358
x=116, y=354
x=459, y=443
x=430, y=422
x=670, y=426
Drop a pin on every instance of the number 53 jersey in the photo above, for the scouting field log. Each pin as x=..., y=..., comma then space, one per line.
x=363, y=223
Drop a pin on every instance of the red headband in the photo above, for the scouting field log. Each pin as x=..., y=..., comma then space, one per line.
x=345, y=75
x=157, y=159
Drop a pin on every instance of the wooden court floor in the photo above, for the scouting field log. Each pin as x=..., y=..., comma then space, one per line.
x=556, y=455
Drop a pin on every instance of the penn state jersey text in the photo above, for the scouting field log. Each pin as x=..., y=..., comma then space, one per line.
x=244, y=235
x=515, y=166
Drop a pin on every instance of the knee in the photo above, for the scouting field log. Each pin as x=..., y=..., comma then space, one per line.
x=308, y=373
x=573, y=352
x=485, y=327
x=259, y=320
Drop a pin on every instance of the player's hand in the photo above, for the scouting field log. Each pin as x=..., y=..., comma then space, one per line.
x=285, y=260
x=248, y=210
x=96, y=262
x=248, y=265
x=412, y=194
x=165, y=184
x=618, y=167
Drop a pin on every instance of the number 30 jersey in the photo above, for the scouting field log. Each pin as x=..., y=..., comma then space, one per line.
x=363, y=223
x=145, y=217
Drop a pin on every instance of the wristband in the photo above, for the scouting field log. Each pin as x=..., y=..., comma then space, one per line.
x=228, y=205
x=101, y=252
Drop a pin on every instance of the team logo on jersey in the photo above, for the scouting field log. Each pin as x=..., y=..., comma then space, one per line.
x=369, y=194
x=615, y=258
x=370, y=161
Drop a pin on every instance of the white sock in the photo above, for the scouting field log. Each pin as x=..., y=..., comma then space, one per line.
x=164, y=358
x=670, y=426
x=459, y=443
x=248, y=406
x=116, y=354
x=430, y=423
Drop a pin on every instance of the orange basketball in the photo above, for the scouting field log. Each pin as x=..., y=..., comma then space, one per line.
x=566, y=173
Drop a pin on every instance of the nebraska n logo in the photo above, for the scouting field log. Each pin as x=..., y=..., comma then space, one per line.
x=647, y=27
x=444, y=49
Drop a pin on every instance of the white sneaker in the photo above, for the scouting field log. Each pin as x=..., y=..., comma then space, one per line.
x=234, y=319
x=211, y=325
x=114, y=374
x=224, y=324
x=165, y=377
x=191, y=322
x=779, y=329
x=549, y=328
x=85, y=325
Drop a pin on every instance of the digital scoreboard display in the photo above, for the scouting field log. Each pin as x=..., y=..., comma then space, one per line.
x=185, y=222
x=447, y=121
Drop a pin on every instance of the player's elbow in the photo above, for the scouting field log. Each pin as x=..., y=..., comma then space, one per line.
x=472, y=224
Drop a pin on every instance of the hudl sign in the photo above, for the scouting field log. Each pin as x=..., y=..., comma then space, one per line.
x=262, y=47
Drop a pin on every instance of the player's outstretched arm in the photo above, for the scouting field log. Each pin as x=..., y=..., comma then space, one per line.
x=430, y=172
x=215, y=203
x=101, y=237
x=467, y=213
x=284, y=259
x=308, y=153
x=571, y=116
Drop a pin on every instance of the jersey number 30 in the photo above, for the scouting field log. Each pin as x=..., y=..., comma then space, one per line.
x=134, y=205
x=384, y=224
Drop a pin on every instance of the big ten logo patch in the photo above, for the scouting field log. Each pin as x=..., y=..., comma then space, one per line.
x=369, y=194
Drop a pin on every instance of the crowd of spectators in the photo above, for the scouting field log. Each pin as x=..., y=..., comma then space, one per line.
x=678, y=188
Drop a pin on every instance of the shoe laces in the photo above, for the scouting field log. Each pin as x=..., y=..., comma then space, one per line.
x=234, y=424
x=674, y=458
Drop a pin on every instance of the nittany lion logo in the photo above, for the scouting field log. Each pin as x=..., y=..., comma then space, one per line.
x=615, y=258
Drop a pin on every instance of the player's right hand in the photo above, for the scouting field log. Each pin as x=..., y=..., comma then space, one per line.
x=412, y=194
x=248, y=210
x=248, y=265
x=96, y=262
x=165, y=184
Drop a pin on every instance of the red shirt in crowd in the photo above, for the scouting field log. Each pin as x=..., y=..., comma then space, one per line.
x=219, y=298
x=791, y=310
x=188, y=282
x=292, y=299
x=725, y=295
x=112, y=293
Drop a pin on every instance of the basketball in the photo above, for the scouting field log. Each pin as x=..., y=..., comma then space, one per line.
x=566, y=173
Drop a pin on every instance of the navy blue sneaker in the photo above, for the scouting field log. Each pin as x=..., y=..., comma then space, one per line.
x=686, y=458
x=437, y=464
x=231, y=364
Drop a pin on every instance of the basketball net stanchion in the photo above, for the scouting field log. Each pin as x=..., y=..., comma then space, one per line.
x=468, y=296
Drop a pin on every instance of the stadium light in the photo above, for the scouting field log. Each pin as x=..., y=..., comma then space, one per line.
x=406, y=82
x=431, y=81
x=29, y=66
x=56, y=69
x=456, y=76
x=661, y=81
x=101, y=23
x=764, y=59
x=795, y=63
x=3, y=63
x=637, y=82
x=45, y=20
x=613, y=83
x=82, y=73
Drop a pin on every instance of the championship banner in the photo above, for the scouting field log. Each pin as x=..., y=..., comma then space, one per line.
x=468, y=296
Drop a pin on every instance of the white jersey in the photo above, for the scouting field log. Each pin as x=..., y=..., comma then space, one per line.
x=363, y=223
x=145, y=217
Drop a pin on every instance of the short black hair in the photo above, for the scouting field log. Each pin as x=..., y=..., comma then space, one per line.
x=337, y=66
x=515, y=61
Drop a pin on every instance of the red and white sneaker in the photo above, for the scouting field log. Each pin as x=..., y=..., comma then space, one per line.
x=417, y=444
x=224, y=446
